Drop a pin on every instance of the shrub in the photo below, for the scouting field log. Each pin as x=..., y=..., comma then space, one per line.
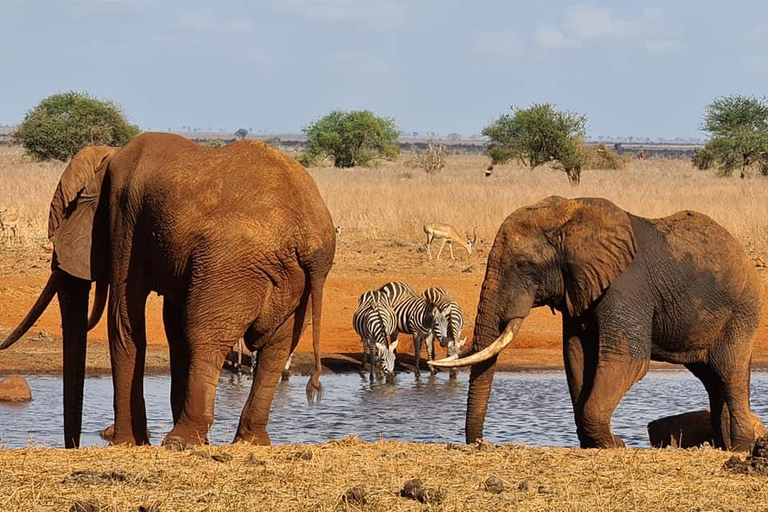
x=601, y=157
x=62, y=124
x=538, y=135
x=432, y=159
x=738, y=126
x=350, y=138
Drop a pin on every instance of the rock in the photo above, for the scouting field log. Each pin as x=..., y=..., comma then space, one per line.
x=689, y=430
x=354, y=495
x=415, y=490
x=15, y=389
x=494, y=485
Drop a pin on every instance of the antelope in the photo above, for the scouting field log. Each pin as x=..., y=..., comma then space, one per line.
x=450, y=234
x=9, y=220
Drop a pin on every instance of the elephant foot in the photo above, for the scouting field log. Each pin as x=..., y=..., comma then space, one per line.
x=179, y=436
x=174, y=444
x=256, y=439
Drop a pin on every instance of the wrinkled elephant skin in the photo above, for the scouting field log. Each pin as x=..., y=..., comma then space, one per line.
x=678, y=289
x=238, y=242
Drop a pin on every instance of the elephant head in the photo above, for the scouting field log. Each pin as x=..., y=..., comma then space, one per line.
x=78, y=228
x=562, y=253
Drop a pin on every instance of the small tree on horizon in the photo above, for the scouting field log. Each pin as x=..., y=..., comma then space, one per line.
x=350, y=138
x=241, y=134
x=538, y=135
x=738, y=127
x=62, y=124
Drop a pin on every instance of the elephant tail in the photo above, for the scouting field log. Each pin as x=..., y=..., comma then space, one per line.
x=51, y=287
x=314, y=388
x=99, y=301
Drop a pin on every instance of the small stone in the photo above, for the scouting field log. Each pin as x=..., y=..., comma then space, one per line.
x=523, y=486
x=221, y=457
x=305, y=455
x=87, y=506
x=494, y=485
x=15, y=389
x=354, y=495
x=544, y=490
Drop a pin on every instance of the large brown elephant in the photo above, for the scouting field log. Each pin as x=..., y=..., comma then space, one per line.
x=238, y=242
x=678, y=289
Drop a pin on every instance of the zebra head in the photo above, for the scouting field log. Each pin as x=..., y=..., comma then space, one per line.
x=386, y=356
x=455, y=346
x=439, y=325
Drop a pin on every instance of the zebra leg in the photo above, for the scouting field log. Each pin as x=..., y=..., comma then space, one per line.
x=372, y=348
x=286, y=370
x=417, y=353
x=431, y=351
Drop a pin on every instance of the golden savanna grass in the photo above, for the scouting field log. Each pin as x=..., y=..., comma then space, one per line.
x=316, y=477
x=396, y=199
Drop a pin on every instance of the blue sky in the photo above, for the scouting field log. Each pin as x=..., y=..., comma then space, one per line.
x=635, y=68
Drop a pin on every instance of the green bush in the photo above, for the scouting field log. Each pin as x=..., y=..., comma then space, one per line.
x=350, y=139
x=738, y=126
x=538, y=135
x=62, y=124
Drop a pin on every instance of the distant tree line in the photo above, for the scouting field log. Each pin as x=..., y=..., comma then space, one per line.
x=540, y=135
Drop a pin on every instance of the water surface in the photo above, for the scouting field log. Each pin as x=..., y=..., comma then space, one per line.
x=526, y=407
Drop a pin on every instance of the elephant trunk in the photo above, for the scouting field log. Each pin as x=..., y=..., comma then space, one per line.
x=73, y=303
x=35, y=311
x=493, y=313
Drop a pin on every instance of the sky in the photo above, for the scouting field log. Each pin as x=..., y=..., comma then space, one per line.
x=644, y=69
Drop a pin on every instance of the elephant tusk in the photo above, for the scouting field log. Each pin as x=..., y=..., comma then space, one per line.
x=466, y=357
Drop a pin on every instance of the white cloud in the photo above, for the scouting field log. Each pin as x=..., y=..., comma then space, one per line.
x=208, y=22
x=377, y=14
x=594, y=24
x=587, y=24
x=552, y=38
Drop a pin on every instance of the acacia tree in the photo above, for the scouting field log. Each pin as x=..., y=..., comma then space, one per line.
x=350, y=138
x=62, y=124
x=241, y=134
x=738, y=126
x=538, y=135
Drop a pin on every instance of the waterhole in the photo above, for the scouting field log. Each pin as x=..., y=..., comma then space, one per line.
x=526, y=407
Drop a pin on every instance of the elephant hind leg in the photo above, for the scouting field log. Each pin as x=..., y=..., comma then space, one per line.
x=719, y=415
x=128, y=346
x=179, y=356
x=272, y=357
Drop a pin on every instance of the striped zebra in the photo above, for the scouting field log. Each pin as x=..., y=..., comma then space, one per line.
x=374, y=321
x=452, y=312
x=415, y=316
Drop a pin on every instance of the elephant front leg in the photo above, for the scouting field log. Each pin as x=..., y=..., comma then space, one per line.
x=614, y=376
x=253, y=420
x=127, y=347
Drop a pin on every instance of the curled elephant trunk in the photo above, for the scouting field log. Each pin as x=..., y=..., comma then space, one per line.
x=469, y=357
x=40, y=305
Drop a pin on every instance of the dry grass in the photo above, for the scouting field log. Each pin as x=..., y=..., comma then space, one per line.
x=395, y=200
x=293, y=478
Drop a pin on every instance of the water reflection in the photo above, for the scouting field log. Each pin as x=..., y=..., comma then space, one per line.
x=529, y=407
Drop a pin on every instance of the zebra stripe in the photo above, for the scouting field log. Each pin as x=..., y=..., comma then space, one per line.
x=415, y=316
x=450, y=308
x=374, y=321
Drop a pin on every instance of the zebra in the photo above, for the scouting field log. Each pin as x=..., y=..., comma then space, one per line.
x=452, y=312
x=415, y=316
x=374, y=321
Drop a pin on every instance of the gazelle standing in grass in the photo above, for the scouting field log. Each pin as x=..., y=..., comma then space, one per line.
x=449, y=234
x=9, y=222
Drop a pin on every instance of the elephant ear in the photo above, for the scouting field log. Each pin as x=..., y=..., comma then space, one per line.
x=598, y=244
x=72, y=214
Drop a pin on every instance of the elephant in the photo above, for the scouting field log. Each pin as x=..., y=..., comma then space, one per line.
x=630, y=289
x=238, y=242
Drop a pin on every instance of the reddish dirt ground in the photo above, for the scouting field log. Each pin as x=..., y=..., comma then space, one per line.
x=358, y=267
